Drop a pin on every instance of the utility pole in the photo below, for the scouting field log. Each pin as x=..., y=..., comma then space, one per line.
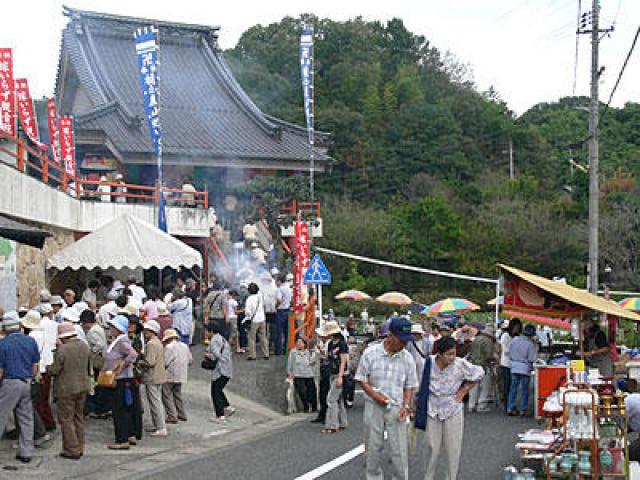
x=594, y=187
x=511, y=176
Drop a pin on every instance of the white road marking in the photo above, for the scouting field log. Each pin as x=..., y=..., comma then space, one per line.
x=333, y=464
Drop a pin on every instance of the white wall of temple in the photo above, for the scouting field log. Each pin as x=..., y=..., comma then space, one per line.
x=24, y=197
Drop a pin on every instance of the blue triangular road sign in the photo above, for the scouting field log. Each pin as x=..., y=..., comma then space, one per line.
x=317, y=273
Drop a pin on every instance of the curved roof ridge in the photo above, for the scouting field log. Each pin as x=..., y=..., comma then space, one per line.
x=77, y=13
x=236, y=93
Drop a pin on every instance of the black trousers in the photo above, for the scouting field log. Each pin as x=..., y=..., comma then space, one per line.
x=218, y=397
x=306, y=388
x=325, y=384
x=127, y=410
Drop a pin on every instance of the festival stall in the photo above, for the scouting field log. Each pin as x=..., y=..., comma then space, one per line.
x=585, y=433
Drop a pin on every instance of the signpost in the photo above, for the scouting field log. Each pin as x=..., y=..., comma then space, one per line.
x=317, y=274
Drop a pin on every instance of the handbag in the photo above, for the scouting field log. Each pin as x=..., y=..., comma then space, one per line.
x=211, y=363
x=107, y=379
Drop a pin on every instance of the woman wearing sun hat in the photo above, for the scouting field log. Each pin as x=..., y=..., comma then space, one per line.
x=127, y=412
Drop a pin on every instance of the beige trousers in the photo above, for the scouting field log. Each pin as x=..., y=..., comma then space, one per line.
x=258, y=330
x=447, y=434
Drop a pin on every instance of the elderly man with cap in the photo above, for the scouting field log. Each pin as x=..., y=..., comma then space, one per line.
x=523, y=354
x=177, y=358
x=70, y=370
x=19, y=359
x=72, y=316
x=387, y=374
x=483, y=354
x=154, y=376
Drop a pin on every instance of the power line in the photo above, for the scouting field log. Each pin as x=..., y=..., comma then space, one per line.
x=624, y=66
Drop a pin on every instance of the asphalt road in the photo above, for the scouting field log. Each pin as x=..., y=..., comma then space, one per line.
x=289, y=453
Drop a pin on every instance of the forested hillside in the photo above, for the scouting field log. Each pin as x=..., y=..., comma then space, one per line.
x=421, y=160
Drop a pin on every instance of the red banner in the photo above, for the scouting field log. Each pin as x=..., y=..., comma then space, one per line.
x=25, y=112
x=67, y=147
x=54, y=131
x=301, y=264
x=7, y=93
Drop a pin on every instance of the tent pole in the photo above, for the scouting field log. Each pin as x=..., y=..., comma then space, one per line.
x=498, y=304
x=581, y=335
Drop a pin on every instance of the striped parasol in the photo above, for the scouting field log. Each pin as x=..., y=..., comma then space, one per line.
x=395, y=298
x=631, y=303
x=356, y=295
x=499, y=300
x=450, y=305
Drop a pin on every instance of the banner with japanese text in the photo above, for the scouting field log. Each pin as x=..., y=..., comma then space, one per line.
x=301, y=264
x=26, y=113
x=67, y=146
x=147, y=47
x=54, y=130
x=306, y=72
x=7, y=93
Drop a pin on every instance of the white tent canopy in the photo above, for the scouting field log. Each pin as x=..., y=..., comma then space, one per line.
x=126, y=242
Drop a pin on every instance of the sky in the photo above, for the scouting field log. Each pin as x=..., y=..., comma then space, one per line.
x=525, y=49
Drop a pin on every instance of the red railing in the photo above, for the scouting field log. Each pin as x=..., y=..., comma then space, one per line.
x=296, y=207
x=53, y=174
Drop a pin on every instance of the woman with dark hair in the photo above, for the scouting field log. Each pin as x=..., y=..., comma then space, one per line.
x=254, y=315
x=514, y=328
x=150, y=307
x=219, y=351
x=300, y=370
x=440, y=405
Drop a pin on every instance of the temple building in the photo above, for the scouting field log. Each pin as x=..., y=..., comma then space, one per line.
x=213, y=133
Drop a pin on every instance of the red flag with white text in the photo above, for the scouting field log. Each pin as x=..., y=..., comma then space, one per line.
x=26, y=113
x=7, y=93
x=54, y=130
x=67, y=147
x=301, y=265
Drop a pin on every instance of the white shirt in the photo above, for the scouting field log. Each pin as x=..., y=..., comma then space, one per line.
x=254, y=309
x=505, y=344
x=38, y=336
x=232, y=303
x=104, y=189
x=138, y=293
x=283, y=296
x=50, y=329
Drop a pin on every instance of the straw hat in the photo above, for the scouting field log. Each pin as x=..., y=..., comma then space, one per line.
x=56, y=300
x=152, y=325
x=330, y=328
x=163, y=311
x=31, y=320
x=44, y=308
x=129, y=309
x=66, y=330
x=169, y=333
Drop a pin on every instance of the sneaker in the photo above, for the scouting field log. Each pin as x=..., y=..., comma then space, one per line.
x=38, y=442
x=133, y=441
x=229, y=411
x=220, y=420
x=171, y=420
x=159, y=433
x=23, y=459
x=181, y=418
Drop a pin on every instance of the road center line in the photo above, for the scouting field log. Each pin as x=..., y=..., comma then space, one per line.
x=333, y=464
